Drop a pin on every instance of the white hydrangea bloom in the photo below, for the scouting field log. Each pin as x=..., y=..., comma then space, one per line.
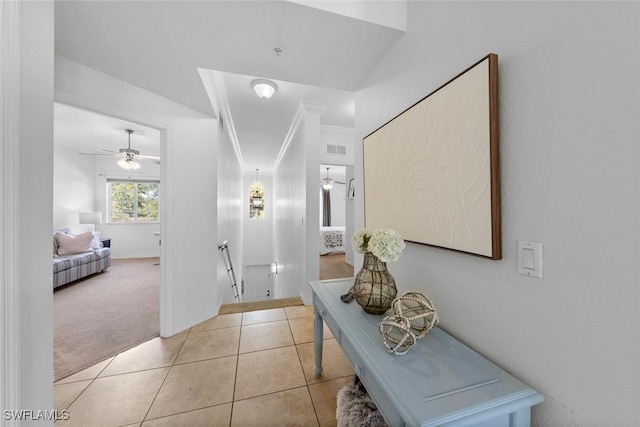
x=360, y=240
x=386, y=244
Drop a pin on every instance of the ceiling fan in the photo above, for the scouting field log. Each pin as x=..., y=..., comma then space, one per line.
x=327, y=183
x=128, y=156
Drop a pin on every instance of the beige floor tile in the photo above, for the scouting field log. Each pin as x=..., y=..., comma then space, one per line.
x=156, y=353
x=65, y=394
x=209, y=344
x=263, y=336
x=302, y=330
x=268, y=371
x=117, y=400
x=286, y=408
x=298, y=311
x=219, y=322
x=324, y=397
x=195, y=386
x=86, y=374
x=208, y=417
x=334, y=363
x=262, y=316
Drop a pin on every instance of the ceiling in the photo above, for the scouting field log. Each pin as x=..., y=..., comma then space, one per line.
x=90, y=132
x=160, y=45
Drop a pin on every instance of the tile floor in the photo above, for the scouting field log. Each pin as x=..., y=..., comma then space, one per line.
x=244, y=369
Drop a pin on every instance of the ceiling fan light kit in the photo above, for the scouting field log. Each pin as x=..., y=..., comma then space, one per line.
x=128, y=163
x=264, y=88
x=327, y=183
x=128, y=156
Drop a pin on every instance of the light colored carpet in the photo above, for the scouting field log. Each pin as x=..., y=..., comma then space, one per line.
x=104, y=314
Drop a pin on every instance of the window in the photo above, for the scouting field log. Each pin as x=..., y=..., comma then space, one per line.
x=133, y=201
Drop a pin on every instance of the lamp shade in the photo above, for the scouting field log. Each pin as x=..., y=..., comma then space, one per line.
x=264, y=88
x=90, y=217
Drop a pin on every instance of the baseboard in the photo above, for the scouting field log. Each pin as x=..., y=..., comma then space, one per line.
x=134, y=257
x=305, y=301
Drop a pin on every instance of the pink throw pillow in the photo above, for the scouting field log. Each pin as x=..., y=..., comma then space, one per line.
x=69, y=245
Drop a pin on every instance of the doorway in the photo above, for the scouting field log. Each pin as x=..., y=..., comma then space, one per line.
x=88, y=176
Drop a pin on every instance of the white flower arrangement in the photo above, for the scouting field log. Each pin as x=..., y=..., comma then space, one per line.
x=360, y=240
x=384, y=243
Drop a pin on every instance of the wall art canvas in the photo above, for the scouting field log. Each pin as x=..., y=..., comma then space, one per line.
x=432, y=172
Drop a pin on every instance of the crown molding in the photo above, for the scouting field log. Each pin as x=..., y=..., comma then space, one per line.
x=334, y=128
x=304, y=107
x=216, y=90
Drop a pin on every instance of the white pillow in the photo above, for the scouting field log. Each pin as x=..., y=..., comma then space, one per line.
x=69, y=245
x=95, y=240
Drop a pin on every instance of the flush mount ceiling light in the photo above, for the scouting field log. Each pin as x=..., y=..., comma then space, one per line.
x=264, y=88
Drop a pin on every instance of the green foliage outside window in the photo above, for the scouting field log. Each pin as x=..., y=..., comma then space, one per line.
x=133, y=201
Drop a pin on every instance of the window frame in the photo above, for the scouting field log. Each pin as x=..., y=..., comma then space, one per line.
x=135, y=183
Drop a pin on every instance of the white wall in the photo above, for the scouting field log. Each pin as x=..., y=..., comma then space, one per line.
x=350, y=218
x=569, y=105
x=73, y=187
x=289, y=217
x=297, y=206
x=337, y=136
x=230, y=216
x=313, y=143
x=189, y=212
x=258, y=233
x=35, y=199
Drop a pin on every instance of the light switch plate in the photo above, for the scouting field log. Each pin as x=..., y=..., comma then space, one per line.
x=530, y=259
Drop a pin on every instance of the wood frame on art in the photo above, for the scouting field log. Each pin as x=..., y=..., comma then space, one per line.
x=432, y=173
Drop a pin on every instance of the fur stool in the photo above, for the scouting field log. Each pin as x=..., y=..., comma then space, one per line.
x=355, y=408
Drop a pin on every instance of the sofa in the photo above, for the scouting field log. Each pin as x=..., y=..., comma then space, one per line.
x=74, y=259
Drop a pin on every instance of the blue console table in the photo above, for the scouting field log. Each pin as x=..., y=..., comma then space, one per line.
x=439, y=382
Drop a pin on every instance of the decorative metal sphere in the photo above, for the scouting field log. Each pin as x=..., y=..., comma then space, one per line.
x=418, y=309
x=396, y=334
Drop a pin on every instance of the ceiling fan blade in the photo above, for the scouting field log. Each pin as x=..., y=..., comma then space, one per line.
x=99, y=154
x=110, y=151
x=339, y=182
x=154, y=159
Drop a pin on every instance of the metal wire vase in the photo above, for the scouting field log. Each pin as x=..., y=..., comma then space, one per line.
x=374, y=287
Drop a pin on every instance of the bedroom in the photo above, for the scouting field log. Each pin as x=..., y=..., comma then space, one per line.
x=333, y=200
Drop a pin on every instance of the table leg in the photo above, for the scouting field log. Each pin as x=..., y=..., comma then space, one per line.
x=317, y=341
